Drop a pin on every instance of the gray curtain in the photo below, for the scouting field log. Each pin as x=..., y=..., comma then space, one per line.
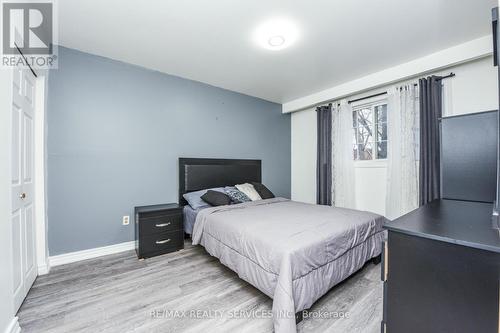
x=430, y=115
x=324, y=156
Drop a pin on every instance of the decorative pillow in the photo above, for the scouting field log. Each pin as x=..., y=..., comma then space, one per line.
x=216, y=198
x=249, y=191
x=235, y=195
x=263, y=191
x=194, y=198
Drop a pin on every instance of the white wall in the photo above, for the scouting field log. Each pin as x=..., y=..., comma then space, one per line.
x=6, y=295
x=304, y=156
x=473, y=89
x=371, y=180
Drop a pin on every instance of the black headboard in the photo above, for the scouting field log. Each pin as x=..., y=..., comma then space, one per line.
x=201, y=173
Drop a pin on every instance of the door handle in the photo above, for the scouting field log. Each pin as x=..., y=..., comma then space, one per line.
x=22, y=196
x=162, y=225
x=163, y=241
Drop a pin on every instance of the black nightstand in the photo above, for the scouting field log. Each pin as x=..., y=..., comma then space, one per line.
x=159, y=229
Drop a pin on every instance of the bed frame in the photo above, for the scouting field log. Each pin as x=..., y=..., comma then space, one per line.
x=200, y=173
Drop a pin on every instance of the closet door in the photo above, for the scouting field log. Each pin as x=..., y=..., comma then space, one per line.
x=22, y=185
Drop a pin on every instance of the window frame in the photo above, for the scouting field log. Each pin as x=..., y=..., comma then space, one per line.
x=371, y=103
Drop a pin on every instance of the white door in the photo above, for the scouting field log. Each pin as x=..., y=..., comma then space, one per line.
x=23, y=218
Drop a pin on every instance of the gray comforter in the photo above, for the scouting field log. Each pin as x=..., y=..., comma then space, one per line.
x=293, y=252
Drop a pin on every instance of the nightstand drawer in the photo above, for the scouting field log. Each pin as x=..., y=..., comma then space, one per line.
x=152, y=245
x=168, y=221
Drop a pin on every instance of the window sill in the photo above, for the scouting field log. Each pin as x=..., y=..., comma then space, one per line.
x=381, y=163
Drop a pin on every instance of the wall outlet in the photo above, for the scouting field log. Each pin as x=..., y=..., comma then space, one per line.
x=126, y=220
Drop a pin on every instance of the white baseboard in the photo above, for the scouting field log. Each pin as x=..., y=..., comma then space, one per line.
x=13, y=326
x=67, y=258
x=44, y=268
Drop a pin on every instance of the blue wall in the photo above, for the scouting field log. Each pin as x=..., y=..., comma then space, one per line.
x=115, y=132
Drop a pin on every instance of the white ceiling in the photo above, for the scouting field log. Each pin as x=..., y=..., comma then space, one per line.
x=211, y=40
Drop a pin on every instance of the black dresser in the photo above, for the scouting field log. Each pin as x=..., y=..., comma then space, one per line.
x=441, y=267
x=159, y=229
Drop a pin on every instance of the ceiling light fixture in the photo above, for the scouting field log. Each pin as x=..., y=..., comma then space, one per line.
x=276, y=41
x=276, y=34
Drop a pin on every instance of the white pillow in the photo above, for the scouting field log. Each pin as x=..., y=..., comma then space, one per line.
x=249, y=191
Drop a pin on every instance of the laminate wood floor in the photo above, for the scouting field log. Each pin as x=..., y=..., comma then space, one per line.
x=118, y=293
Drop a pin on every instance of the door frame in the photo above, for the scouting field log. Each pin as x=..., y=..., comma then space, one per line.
x=41, y=241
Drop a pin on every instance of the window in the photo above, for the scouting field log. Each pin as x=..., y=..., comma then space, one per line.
x=370, y=131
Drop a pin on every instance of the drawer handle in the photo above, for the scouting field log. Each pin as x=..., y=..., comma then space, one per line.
x=161, y=225
x=163, y=241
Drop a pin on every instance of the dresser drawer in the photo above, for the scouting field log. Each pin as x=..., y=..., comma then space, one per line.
x=164, y=242
x=159, y=223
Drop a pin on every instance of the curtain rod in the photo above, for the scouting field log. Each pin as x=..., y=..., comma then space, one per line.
x=26, y=60
x=447, y=76
x=366, y=97
x=385, y=92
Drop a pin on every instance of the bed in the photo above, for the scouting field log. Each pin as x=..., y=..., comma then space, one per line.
x=291, y=251
x=190, y=218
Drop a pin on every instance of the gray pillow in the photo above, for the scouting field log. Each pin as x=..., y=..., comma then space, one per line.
x=236, y=195
x=263, y=191
x=216, y=198
x=194, y=198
